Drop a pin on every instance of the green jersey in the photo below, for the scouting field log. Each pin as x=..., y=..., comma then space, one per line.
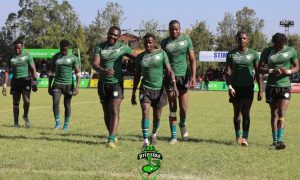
x=111, y=57
x=283, y=58
x=177, y=51
x=63, y=66
x=152, y=68
x=242, y=66
x=19, y=65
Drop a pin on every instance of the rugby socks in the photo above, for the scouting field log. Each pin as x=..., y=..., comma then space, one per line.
x=245, y=134
x=57, y=120
x=280, y=132
x=237, y=128
x=111, y=138
x=66, y=124
x=182, y=121
x=156, y=123
x=275, y=136
x=145, y=130
x=172, y=121
x=246, y=126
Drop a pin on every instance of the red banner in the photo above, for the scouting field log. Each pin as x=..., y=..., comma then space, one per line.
x=295, y=88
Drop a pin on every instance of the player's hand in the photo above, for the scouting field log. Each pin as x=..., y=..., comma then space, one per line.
x=259, y=95
x=175, y=92
x=4, y=90
x=108, y=72
x=34, y=85
x=192, y=83
x=76, y=91
x=50, y=91
x=34, y=88
x=232, y=92
x=133, y=99
x=284, y=70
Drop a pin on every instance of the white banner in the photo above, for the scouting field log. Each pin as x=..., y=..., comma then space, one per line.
x=212, y=56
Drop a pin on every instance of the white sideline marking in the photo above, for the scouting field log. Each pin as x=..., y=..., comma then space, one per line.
x=113, y=174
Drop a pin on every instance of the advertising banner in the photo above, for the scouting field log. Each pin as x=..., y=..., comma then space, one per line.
x=42, y=53
x=43, y=83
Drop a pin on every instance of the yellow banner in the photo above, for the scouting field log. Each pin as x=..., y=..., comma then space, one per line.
x=93, y=83
x=128, y=83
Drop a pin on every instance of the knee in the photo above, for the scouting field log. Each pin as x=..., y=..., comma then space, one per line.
x=115, y=110
x=16, y=104
x=281, y=113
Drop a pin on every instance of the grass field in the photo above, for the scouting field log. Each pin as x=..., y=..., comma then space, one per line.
x=80, y=153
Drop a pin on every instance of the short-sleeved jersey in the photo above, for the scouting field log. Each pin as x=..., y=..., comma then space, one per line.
x=283, y=58
x=152, y=68
x=63, y=66
x=111, y=57
x=242, y=66
x=177, y=51
x=19, y=64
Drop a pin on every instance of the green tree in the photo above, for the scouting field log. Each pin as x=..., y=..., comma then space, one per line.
x=203, y=40
x=294, y=41
x=226, y=33
x=245, y=20
x=112, y=15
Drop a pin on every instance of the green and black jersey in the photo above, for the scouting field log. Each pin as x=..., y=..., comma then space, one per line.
x=111, y=57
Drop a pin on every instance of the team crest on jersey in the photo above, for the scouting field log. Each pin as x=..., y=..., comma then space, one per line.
x=156, y=57
x=59, y=61
x=286, y=54
x=249, y=56
x=182, y=43
x=23, y=58
x=68, y=60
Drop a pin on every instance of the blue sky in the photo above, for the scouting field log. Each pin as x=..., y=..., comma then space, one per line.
x=187, y=12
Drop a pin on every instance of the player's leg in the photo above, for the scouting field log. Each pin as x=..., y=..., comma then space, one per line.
x=67, y=105
x=172, y=116
x=237, y=105
x=282, y=107
x=114, y=107
x=145, y=123
x=156, y=122
x=57, y=92
x=183, y=105
x=246, y=106
x=105, y=109
x=16, y=102
x=274, y=121
x=26, y=105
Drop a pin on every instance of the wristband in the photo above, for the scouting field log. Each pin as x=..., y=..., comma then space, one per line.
x=78, y=75
x=50, y=73
x=230, y=87
x=271, y=71
x=289, y=71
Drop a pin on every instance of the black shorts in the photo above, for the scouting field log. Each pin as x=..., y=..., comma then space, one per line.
x=20, y=85
x=182, y=83
x=65, y=89
x=275, y=93
x=242, y=92
x=157, y=98
x=107, y=91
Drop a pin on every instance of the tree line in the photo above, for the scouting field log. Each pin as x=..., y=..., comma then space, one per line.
x=42, y=24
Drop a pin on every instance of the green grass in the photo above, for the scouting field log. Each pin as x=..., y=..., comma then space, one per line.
x=41, y=153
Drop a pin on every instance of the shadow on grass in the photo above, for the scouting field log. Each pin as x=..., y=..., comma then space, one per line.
x=50, y=139
x=190, y=140
x=74, y=134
